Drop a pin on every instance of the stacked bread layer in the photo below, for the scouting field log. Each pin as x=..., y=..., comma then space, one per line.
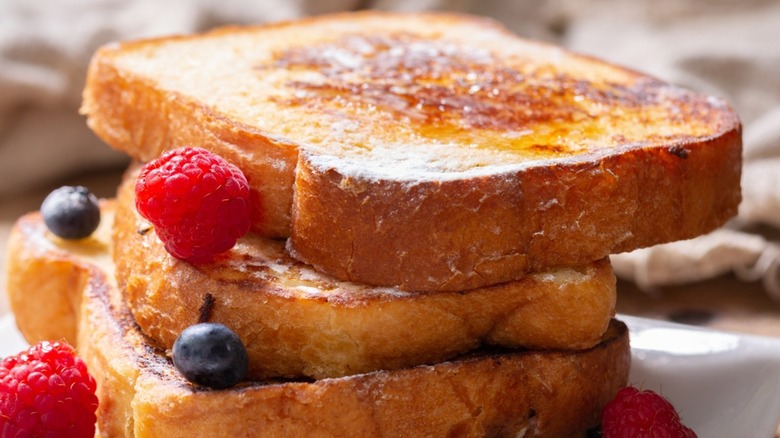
x=450, y=192
x=402, y=150
x=296, y=321
x=488, y=392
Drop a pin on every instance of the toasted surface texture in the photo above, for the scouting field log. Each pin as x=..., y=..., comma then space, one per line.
x=296, y=321
x=44, y=280
x=432, y=151
x=485, y=393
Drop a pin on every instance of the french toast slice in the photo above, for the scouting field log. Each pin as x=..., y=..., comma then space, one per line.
x=296, y=321
x=500, y=393
x=428, y=151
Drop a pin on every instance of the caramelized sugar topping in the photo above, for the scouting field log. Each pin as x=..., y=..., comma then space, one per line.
x=444, y=91
x=436, y=82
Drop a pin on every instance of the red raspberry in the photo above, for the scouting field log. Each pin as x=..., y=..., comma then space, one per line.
x=638, y=414
x=197, y=202
x=47, y=391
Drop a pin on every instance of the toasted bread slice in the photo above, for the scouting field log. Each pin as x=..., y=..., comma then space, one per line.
x=296, y=321
x=429, y=151
x=484, y=393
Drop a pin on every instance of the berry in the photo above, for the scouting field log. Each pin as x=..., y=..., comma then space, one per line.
x=197, y=202
x=47, y=391
x=210, y=354
x=637, y=414
x=71, y=212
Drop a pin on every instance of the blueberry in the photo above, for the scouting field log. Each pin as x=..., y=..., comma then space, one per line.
x=71, y=212
x=210, y=354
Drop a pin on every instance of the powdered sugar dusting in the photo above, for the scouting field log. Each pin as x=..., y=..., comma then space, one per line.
x=436, y=162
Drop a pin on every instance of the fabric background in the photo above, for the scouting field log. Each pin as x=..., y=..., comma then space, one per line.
x=727, y=48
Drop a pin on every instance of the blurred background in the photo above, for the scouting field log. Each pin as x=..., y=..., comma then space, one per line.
x=729, y=279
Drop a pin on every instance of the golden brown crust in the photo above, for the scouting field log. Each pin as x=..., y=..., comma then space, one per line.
x=31, y=264
x=127, y=110
x=296, y=321
x=492, y=229
x=575, y=158
x=546, y=394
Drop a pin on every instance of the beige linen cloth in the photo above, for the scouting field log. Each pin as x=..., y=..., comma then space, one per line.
x=727, y=48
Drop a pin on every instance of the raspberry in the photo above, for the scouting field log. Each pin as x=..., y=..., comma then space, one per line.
x=637, y=414
x=47, y=391
x=197, y=202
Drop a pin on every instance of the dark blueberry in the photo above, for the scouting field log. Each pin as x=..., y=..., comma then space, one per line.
x=71, y=212
x=210, y=354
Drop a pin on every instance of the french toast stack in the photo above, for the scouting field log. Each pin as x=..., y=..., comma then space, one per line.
x=434, y=201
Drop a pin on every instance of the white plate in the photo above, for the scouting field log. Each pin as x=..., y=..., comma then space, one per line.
x=724, y=385
x=11, y=341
